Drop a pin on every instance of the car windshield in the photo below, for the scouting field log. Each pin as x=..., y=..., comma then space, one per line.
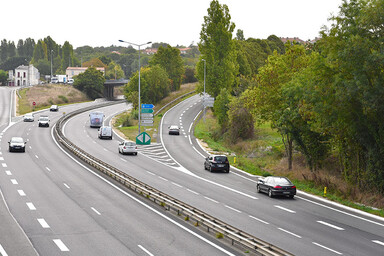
x=17, y=140
x=220, y=158
x=43, y=118
x=129, y=144
x=174, y=127
x=281, y=181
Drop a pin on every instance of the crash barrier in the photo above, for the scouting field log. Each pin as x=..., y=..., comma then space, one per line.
x=200, y=219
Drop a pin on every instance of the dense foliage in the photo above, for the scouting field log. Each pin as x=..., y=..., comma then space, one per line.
x=91, y=82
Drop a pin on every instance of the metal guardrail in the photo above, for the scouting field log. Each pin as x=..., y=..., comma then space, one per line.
x=238, y=238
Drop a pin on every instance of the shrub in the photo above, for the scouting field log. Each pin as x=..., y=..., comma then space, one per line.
x=63, y=98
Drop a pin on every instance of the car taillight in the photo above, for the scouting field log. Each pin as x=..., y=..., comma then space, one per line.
x=277, y=187
x=124, y=147
x=293, y=186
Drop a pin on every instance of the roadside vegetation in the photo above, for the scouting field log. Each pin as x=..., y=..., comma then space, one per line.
x=46, y=95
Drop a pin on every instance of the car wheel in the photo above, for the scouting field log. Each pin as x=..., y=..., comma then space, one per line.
x=210, y=168
x=258, y=188
x=10, y=149
x=23, y=149
x=270, y=193
x=227, y=171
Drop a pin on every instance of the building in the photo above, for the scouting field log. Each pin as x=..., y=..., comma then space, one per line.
x=24, y=76
x=74, y=71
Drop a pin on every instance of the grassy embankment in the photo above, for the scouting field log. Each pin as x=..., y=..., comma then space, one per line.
x=264, y=155
x=130, y=132
x=47, y=95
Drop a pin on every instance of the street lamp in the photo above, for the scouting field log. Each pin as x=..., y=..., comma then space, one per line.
x=51, y=64
x=138, y=45
x=204, y=74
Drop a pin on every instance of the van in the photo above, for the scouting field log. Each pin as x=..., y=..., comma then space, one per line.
x=96, y=119
x=105, y=132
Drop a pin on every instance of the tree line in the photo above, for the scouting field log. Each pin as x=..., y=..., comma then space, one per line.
x=326, y=99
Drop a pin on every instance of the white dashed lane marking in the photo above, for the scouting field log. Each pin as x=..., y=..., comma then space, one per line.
x=43, y=223
x=378, y=242
x=262, y=221
x=4, y=164
x=163, y=178
x=194, y=192
x=210, y=199
x=48, y=169
x=96, y=211
x=9, y=173
x=21, y=192
x=329, y=249
x=31, y=206
x=66, y=185
x=288, y=232
x=61, y=245
x=177, y=185
x=284, y=209
x=14, y=182
x=233, y=209
x=329, y=225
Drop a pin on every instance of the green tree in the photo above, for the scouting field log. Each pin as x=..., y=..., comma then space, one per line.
x=44, y=67
x=240, y=121
x=154, y=85
x=91, y=82
x=67, y=59
x=40, y=52
x=240, y=35
x=221, y=107
x=170, y=60
x=114, y=71
x=3, y=50
x=218, y=50
x=3, y=77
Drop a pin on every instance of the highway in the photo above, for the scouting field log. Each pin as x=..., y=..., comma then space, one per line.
x=301, y=226
x=57, y=205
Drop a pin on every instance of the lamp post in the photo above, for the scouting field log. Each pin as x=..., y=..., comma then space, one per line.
x=204, y=87
x=138, y=45
x=51, y=65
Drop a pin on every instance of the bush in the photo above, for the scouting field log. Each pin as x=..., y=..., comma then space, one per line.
x=63, y=98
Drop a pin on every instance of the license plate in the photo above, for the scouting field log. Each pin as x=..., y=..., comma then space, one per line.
x=285, y=192
x=221, y=165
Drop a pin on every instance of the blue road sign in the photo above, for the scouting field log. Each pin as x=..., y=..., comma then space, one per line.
x=147, y=105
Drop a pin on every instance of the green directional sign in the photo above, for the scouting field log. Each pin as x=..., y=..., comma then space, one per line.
x=143, y=139
x=146, y=110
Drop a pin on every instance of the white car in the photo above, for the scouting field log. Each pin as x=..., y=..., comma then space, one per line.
x=128, y=147
x=29, y=117
x=43, y=121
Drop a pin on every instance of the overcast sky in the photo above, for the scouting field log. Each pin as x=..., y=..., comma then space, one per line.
x=103, y=23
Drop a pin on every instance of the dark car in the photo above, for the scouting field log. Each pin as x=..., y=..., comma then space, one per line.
x=17, y=144
x=216, y=163
x=276, y=186
x=174, y=130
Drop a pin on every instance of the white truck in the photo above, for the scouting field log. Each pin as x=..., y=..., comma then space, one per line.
x=62, y=78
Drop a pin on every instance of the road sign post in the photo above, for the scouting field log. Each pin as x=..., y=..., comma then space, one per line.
x=146, y=115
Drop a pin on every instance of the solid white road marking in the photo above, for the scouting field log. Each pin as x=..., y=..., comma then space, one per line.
x=178, y=185
x=285, y=209
x=31, y=206
x=194, y=192
x=329, y=225
x=105, y=149
x=258, y=219
x=9, y=173
x=66, y=185
x=286, y=231
x=14, y=182
x=4, y=164
x=96, y=211
x=30, y=147
x=61, y=245
x=43, y=223
x=378, y=242
x=210, y=199
x=21, y=192
x=329, y=249
x=145, y=250
x=2, y=251
x=233, y=209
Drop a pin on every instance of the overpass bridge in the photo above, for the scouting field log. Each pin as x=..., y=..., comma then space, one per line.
x=109, y=86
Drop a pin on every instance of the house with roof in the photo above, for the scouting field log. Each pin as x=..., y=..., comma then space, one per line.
x=24, y=76
x=74, y=71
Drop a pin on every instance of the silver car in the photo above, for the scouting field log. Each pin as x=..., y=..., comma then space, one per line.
x=29, y=117
x=17, y=144
x=128, y=147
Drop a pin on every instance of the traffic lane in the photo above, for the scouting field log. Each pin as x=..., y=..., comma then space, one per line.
x=176, y=184
x=66, y=220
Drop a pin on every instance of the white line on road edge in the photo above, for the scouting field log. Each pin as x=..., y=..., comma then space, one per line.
x=2, y=251
x=61, y=245
x=48, y=169
x=31, y=206
x=378, y=242
x=285, y=209
x=329, y=249
x=329, y=225
x=142, y=203
x=145, y=250
x=43, y=223
x=96, y=211
x=258, y=219
x=286, y=231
